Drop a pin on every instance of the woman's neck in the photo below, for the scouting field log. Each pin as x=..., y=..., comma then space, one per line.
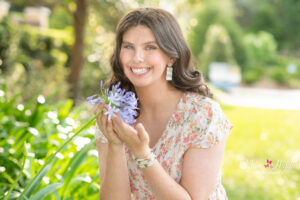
x=155, y=100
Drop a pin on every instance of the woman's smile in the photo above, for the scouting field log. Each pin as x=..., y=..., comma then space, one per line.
x=140, y=71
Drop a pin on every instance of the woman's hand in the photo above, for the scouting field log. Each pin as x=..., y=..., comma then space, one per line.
x=106, y=126
x=136, y=139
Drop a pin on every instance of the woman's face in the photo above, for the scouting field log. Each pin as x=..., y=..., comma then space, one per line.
x=142, y=60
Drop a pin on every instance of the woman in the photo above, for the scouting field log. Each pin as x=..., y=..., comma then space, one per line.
x=175, y=148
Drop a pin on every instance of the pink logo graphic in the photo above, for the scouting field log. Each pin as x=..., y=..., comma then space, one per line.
x=269, y=162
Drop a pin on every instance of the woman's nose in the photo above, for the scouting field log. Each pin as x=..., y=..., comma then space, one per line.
x=139, y=56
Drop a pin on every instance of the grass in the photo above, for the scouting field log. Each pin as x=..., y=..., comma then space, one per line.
x=258, y=135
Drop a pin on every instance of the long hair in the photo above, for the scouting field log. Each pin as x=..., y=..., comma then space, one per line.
x=170, y=40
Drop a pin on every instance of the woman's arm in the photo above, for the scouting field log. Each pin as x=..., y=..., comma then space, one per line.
x=199, y=176
x=163, y=185
x=114, y=179
x=201, y=168
x=102, y=154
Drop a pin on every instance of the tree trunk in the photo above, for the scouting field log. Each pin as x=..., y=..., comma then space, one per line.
x=77, y=54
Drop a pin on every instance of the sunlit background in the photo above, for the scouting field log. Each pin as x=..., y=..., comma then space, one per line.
x=53, y=55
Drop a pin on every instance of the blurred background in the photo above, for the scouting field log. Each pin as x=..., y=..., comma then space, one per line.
x=53, y=54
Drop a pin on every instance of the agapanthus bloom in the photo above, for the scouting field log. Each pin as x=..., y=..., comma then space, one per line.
x=118, y=101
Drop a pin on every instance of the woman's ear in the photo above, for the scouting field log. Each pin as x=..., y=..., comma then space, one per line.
x=173, y=60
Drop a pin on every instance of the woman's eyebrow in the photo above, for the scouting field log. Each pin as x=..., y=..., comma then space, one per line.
x=150, y=42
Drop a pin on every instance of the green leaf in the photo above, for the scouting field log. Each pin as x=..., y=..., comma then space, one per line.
x=19, y=176
x=73, y=165
x=64, y=111
x=46, y=190
x=35, y=183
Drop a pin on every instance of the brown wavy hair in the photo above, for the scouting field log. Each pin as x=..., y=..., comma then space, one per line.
x=170, y=40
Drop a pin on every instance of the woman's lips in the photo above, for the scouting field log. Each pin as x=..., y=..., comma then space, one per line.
x=140, y=70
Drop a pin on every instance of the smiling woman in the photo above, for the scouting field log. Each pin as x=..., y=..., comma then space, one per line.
x=174, y=149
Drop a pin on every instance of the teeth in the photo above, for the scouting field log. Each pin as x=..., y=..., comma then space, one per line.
x=140, y=71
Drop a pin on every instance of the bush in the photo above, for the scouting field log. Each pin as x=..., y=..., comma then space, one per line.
x=264, y=61
x=39, y=61
x=260, y=47
x=279, y=75
x=253, y=74
x=29, y=133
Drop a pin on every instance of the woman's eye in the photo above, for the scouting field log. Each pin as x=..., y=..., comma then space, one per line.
x=150, y=47
x=128, y=47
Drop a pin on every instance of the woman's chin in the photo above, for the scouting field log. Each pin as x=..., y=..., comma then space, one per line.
x=138, y=84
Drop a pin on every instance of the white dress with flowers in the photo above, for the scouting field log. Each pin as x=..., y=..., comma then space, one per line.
x=198, y=122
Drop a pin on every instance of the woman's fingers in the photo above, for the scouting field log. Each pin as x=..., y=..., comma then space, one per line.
x=102, y=122
x=110, y=127
x=125, y=132
x=105, y=126
x=142, y=134
x=118, y=126
x=97, y=107
x=94, y=109
x=104, y=116
x=101, y=117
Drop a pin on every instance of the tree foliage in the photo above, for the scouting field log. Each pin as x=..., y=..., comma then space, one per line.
x=5, y=39
x=212, y=12
x=280, y=18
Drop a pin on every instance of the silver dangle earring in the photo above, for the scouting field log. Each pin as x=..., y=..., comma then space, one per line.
x=169, y=72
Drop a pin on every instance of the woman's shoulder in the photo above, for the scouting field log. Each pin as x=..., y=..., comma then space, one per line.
x=198, y=101
x=208, y=123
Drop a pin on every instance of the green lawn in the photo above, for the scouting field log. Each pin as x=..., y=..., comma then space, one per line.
x=258, y=135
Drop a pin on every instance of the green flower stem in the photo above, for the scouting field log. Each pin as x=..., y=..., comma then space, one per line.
x=58, y=150
x=16, y=181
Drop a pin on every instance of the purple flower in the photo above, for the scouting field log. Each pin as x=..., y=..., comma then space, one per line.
x=114, y=98
x=111, y=111
x=118, y=100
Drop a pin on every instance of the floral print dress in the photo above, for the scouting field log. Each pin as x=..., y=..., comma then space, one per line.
x=198, y=122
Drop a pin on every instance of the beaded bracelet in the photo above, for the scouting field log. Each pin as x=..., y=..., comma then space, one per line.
x=145, y=162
